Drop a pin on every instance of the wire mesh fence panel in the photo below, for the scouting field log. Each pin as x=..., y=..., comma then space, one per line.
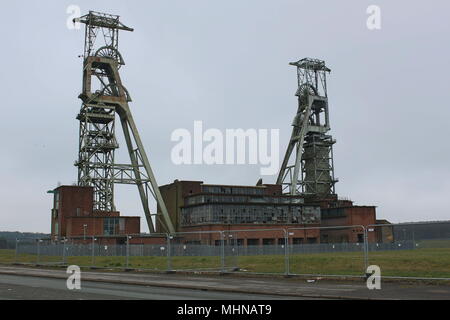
x=26, y=251
x=79, y=254
x=327, y=251
x=38, y=252
x=417, y=250
x=255, y=250
x=110, y=255
x=195, y=251
x=148, y=253
x=49, y=253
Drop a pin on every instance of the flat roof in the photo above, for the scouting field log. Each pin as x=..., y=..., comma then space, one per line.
x=231, y=185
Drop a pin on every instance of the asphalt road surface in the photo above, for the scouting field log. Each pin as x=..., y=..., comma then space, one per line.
x=37, y=288
x=17, y=282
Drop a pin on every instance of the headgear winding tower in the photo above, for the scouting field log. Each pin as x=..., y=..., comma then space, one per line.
x=311, y=172
x=103, y=96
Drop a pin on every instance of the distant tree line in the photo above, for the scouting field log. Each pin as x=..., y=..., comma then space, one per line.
x=8, y=238
x=422, y=231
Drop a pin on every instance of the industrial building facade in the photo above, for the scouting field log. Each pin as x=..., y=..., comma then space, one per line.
x=199, y=207
x=255, y=214
x=193, y=203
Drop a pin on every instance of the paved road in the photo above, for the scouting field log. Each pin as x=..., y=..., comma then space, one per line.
x=37, y=288
x=183, y=286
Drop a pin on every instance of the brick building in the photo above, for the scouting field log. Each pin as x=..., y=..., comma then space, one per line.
x=212, y=213
x=197, y=207
x=346, y=214
x=73, y=217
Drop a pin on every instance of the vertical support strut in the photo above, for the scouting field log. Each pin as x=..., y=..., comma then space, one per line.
x=299, y=145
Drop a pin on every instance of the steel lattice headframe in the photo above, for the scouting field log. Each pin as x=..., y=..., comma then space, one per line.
x=310, y=170
x=103, y=96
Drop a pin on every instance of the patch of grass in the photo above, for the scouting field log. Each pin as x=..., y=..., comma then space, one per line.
x=421, y=262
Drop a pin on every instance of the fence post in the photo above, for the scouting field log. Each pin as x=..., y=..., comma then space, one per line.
x=169, y=253
x=38, y=250
x=286, y=252
x=366, y=249
x=235, y=252
x=127, y=252
x=64, y=251
x=15, y=254
x=93, y=251
x=222, y=249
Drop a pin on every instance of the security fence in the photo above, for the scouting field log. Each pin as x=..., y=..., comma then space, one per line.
x=412, y=250
x=196, y=251
x=256, y=250
x=417, y=250
x=341, y=251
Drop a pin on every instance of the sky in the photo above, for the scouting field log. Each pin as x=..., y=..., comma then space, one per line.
x=226, y=63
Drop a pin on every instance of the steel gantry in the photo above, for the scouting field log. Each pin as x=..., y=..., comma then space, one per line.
x=307, y=167
x=103, y=96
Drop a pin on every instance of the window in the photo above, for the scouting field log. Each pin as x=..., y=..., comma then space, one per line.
x=252, y=242
x=57, y=200
x=122, y=225
x=110, y=226
x=360, y=238
x=219, y=242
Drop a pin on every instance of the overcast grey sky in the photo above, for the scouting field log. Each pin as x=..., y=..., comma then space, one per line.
x=226, y=63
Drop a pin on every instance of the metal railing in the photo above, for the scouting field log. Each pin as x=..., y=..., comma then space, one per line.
x=414, y=251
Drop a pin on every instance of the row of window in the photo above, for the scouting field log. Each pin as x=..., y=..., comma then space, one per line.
x=233, y=190
x=235, y=214
x=264, y=241
x=241, y=199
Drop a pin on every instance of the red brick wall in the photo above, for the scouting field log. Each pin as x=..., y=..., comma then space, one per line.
x=106, y=213
x=76, y=229
x=274, y=189
x=132, y=225
x=95, y=226
x=271, y=231
x=173, y=195
x=71, y=198
x=362, y=215
x=149, y=240
x=354, y=216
